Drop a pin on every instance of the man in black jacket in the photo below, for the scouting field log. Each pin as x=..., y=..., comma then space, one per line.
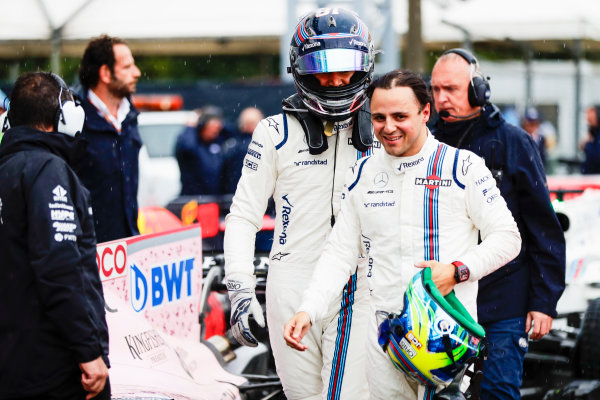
x=521, y=296
x=109, y=170
x=591, y=144
x=53, y=332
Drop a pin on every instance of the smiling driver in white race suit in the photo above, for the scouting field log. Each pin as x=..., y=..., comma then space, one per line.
x=420, y=203
x=300, y=157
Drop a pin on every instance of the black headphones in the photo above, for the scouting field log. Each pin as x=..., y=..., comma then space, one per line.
x=479, y=89
x=70, y=115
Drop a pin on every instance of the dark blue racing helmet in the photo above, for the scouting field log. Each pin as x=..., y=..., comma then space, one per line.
x=332, y=40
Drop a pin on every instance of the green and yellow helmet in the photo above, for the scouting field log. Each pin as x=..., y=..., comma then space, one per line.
x=434, y=337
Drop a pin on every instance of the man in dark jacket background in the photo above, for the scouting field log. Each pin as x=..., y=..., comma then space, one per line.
x=591, y=143
x=199, y=153
x=53, y=332
x=522, y=295
x=236, y=147
x=109, y=169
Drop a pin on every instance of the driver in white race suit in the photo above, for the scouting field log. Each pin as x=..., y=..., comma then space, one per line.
x=300, y=158
x=418, y=203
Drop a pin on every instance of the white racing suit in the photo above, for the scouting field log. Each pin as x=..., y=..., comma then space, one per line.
x=306, y=189
x=430, y=206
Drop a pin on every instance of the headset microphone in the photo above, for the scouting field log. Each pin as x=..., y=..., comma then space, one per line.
x=446, y=114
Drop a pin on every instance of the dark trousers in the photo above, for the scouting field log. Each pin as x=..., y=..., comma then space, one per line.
x=70, y=390
x=503, y=369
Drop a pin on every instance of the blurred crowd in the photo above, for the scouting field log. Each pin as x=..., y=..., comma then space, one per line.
x=211, y=153
x=544, y=134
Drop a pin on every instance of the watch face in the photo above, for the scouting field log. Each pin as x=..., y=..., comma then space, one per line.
x=461, y=273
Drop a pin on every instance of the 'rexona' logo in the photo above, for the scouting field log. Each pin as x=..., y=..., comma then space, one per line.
x=433, y=182
x=285, y=219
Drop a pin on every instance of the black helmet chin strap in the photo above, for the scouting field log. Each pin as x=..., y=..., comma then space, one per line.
x=362, y=130
x=452, y=391
x=448, y=347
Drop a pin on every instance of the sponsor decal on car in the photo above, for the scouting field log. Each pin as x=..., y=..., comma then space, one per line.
x=112, y=260
x=163, y=284
x=144, y=342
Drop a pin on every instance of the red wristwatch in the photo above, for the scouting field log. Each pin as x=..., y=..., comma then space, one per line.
x=461, y=272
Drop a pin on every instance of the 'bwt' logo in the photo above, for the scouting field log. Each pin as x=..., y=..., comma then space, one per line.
x=164, y=279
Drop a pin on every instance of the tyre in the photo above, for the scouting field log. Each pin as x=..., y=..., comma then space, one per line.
x=589, y=342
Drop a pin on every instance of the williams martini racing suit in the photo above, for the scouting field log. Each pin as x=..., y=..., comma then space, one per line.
x=430, y=206
x=306, y=189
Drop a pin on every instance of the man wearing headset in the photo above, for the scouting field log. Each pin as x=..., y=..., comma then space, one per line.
x=52, y=326
x=520, y=297
x=300, y=157
x=418, y=204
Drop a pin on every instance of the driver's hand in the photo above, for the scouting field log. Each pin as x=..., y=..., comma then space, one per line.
x=243, y=304
x=295, y=329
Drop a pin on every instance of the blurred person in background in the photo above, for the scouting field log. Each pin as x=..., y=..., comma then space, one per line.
x=519, y=298
x=199, y=154
x=542, y=132
x=3, y=101
x=300, y=158
x=531, y=124
x=3, y=108
x=53, y=332
x=109, y=170
x=235, y=148
x=591, y=144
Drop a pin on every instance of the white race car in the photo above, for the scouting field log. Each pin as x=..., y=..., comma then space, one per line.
x=154, y=294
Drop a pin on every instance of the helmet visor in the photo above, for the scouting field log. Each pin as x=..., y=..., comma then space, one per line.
x=333, y=60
